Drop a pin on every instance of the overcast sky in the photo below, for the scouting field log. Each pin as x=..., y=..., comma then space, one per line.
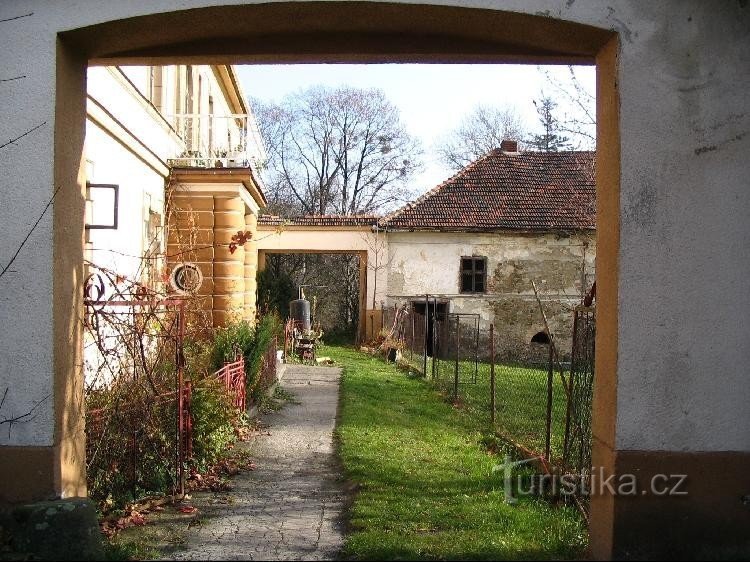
x=432, y=98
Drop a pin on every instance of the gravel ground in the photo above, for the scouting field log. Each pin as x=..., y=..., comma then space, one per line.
x=290, y=507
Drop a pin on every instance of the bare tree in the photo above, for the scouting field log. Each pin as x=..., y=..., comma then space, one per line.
x=381, y=260
x=479, y=132
x=578, y=106
x=340, y=150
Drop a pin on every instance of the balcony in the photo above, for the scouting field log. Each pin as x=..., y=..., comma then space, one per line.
x=217, y=141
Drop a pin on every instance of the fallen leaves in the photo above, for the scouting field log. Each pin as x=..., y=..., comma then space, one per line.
x=214, y=479
x=135, y=518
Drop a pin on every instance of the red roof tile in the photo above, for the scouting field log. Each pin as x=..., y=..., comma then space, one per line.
x=319, y=220
x=516, y=191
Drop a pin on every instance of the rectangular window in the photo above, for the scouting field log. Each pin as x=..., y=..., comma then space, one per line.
x=102, y=201
x=473, y=274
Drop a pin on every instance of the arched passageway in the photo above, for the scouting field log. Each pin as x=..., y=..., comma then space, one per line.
x=640, y=146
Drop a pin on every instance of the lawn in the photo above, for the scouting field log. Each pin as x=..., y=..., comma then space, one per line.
x=425, y=486
x=520, y=400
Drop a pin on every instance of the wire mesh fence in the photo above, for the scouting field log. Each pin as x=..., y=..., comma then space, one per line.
x=577, y=453
x=531, y=396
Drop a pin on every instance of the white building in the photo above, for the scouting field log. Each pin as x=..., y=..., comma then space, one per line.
x=142, y=121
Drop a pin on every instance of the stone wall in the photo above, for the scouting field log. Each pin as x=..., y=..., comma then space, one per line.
x=429, y=262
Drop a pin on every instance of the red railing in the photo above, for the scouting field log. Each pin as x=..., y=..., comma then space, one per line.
x=267, y=375
x=131, y=452
x=232, y=374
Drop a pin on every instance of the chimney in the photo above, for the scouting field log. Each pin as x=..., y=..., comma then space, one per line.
x=509, y=146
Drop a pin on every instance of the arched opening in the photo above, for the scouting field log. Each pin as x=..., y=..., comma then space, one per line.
x=540, y=338
x=313, y=32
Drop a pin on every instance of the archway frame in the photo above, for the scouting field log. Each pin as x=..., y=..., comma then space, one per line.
x=286, y=32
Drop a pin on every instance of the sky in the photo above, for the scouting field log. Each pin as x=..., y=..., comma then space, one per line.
x=432, y=98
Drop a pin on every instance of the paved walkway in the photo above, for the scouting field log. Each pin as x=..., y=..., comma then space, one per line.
x=289, y=508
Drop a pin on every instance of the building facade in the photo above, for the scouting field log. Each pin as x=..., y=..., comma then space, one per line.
x=172, y=155
x=510, y=238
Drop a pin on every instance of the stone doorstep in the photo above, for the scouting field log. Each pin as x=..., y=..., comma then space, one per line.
x=52, y=530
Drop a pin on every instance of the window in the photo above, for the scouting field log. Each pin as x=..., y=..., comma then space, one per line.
x=152, y=242
x=102, y=201
x=473, y=274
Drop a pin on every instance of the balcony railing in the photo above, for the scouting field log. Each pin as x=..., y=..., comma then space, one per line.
x=217, y=141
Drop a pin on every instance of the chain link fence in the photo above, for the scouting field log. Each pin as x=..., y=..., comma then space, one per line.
x=536, y=396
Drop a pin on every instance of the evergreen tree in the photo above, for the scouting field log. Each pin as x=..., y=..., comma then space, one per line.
x=550, y=140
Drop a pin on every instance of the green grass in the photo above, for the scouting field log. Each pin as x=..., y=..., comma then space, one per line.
x=425, y=486
x=520, y=403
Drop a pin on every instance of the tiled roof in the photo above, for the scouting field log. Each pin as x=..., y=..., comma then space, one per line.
x=319, y=220
x=508, y=191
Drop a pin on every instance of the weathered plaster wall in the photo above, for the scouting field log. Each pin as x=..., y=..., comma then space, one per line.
x=429, y=262
x=676, y=119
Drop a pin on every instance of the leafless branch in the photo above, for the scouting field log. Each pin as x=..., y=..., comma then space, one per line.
x=17, y=17
x=13, y=140
x=23, y=418
x=483, y=129
x=11, y=79
x=29, y=233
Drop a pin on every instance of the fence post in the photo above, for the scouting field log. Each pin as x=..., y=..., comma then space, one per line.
x=411, y=346
x=568, y=409
x=134, y=463
x=550, y=378
x=492, y=375
x=424, y=338
x=476, y=352
x=434, y=331
x=188, y=420
x=458, y=354
x=181, y=398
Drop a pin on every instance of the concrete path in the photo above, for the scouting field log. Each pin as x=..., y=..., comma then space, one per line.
x=290, y=507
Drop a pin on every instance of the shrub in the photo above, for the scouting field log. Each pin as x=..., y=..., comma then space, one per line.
x=213, y=422
x=268, y=327
x=252, y=342
x=239, y=336
x=131, y=440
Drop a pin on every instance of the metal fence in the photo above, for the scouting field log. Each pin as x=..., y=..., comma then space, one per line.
x=577, y=452
x=130, y=451
x=268, y=374
x=232, y=375
x=138, y=423
x=535, y=400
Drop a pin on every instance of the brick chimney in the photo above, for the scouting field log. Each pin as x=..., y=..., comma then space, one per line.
x=509, y=146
